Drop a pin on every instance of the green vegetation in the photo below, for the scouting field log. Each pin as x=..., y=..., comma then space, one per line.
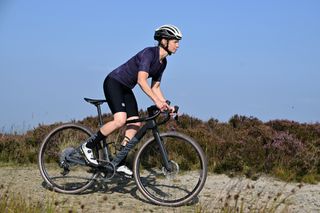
x=242, y=146
x=10, y=202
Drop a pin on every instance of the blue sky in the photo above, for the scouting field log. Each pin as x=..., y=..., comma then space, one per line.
x=253, y=58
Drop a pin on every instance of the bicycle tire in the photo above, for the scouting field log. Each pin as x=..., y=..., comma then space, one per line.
x=66, y=137
x=175, y=188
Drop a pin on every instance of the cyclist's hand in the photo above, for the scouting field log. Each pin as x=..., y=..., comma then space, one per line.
x=162, y=105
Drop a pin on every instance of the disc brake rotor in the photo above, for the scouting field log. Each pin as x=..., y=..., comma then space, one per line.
x=174, y=170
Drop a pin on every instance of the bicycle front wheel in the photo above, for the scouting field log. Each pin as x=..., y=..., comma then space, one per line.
x=186, y=177
x=61, y=165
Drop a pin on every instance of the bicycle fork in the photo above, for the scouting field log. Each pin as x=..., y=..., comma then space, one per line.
x=163, y=150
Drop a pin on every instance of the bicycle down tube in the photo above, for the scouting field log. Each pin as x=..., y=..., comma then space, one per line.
x=151, y=124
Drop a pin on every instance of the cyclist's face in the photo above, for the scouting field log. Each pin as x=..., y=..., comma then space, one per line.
x=173, y=45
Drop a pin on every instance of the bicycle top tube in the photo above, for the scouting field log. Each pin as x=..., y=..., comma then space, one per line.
x=153, y=111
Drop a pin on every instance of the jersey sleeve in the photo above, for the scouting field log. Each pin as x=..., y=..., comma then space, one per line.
x=146, y=58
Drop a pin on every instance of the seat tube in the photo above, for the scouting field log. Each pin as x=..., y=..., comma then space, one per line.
x=163, y=150
x=104, y=152
x=99, y=115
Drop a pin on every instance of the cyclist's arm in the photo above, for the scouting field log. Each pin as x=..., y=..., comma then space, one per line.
x=143, y=83
x=155, y=86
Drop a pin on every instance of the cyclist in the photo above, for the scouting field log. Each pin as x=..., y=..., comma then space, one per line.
x=148, y=63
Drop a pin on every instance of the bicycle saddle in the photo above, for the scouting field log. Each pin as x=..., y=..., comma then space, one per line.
x=95, y=102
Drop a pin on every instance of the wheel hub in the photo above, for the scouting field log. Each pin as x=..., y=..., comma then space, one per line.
x=174, y=167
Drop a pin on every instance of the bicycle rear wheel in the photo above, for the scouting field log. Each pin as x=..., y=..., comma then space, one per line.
x=58, y=171
x=178, y=186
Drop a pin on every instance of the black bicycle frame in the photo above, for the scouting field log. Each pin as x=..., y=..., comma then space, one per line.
x=151, y=124
x=136, y=139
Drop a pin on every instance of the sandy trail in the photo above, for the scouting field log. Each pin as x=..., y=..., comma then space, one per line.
x=123, y=196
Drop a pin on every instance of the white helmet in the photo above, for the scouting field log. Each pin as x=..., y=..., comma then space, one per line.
x=167, y=31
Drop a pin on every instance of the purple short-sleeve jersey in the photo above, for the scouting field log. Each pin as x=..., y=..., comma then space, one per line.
x=146, y=60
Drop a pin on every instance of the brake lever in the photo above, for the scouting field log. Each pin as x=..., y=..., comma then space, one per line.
x=176, y=109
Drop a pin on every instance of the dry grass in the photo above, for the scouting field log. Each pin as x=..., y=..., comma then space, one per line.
x=10, y=202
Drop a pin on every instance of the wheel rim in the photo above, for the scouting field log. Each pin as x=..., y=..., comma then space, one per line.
x=176, y=187
x=65, y=139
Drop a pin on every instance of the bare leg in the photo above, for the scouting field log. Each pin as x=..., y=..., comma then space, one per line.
x=119, y=120
x=131, y=130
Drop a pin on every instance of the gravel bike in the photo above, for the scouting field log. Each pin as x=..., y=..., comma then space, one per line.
x=169, y=168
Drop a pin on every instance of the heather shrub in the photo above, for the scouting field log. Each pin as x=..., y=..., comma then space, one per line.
x=304, y=140
x=22, y=148
x=243, y=145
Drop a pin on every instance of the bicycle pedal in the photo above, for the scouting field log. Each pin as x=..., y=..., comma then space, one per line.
x=129, y=177
x=123, y=175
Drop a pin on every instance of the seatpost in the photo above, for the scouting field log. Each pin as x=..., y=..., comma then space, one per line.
x=99, y=115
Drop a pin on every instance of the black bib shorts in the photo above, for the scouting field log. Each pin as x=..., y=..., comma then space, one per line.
x=120, y=98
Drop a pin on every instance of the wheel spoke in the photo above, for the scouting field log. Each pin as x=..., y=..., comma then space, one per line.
x=185, y=178
x=61, y=164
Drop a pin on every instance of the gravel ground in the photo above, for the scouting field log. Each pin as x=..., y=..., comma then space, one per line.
x=220, y=191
